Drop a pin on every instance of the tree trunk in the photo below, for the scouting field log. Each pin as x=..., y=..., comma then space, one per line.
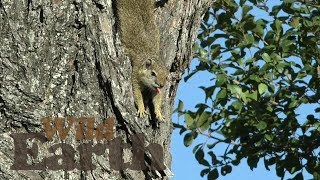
x=64, y=59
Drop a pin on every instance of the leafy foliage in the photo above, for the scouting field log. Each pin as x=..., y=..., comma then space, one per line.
x=264, y=57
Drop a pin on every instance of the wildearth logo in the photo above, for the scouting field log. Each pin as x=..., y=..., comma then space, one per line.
x=26, y=148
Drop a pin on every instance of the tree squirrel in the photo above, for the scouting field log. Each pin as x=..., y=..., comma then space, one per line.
x=141, y=38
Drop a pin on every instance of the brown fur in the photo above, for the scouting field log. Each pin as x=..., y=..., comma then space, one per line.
x=141, y=38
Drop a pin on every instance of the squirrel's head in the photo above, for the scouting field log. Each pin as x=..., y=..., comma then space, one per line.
x=153, y=75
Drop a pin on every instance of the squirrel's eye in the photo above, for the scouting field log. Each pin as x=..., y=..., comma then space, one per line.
x=153, y=73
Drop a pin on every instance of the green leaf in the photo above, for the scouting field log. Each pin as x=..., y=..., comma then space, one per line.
x=293, y=103
x=196, y=148
x=252, y=162
x=269, y=137
x=221, y=79
x=188, y=138
x=253, y=95
x=189, y=120
x=226, y=170
x=260, y=27
x=179, y=109
x=295, y=22
x=272, y=161
x=222, y=94
x=213, y=174
x=266, y=57
x=249, y=39
x=210, y=146
x=266, y=164
x=204, y=121
x=279, y=170
x=262, y=88
x=203, y=53
x=278, y=26
x=246, y=9
x=311, y=118
x=204, y=172
x=213, y=158
x=235, y=162
x=249, y=25
x=237, y=105
x=235, y=89
x=182, y=130
x=181, y=127
x=316, y=176
x=200, y=157
x=190, y=75
x=276, y=10
x=281, y=66
x=208, y=91
x=262, y=125
x=298, y=176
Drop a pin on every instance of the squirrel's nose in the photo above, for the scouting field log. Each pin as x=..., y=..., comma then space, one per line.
x=160, y=85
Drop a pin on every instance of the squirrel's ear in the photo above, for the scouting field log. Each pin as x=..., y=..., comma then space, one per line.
x=148, y=63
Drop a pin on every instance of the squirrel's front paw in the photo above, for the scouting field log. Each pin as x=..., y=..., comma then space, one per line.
x=159, y=116
x=141, y=113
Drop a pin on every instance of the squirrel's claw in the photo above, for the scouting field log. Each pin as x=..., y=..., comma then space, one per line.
x=159, y=116
x=141, y=113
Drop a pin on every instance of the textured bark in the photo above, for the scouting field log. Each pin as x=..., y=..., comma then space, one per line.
x=64, y=59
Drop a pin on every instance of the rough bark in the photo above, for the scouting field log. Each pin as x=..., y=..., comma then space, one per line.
x=64, y=59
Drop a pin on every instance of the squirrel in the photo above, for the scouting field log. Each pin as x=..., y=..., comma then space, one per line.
x=141, y=39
